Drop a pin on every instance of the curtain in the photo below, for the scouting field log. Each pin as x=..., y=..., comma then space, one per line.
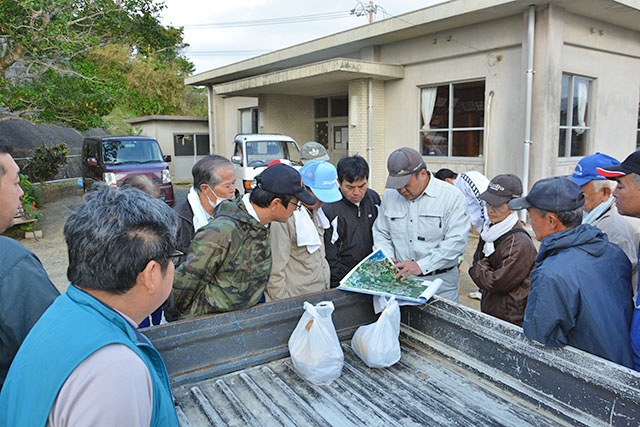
x=428, y=101
x=581, y=87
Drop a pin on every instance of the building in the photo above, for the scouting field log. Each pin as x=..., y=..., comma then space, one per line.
x=472, y=85
x=185, y=138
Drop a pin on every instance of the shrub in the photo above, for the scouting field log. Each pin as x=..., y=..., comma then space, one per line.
x=46, y=161
x=30, y=201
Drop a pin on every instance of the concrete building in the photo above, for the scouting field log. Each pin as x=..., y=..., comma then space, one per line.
x=185, y=138
x=524, y=87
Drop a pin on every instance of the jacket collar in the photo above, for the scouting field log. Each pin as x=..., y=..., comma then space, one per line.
x=82, y=298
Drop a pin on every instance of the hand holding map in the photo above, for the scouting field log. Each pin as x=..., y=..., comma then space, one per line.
x=374, y=276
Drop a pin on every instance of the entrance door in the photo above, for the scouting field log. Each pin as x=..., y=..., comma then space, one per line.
x=338, y=141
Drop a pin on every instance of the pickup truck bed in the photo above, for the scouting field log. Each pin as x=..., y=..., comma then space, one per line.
x=458, y=367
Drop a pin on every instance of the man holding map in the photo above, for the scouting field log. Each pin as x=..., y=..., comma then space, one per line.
x=423, y=223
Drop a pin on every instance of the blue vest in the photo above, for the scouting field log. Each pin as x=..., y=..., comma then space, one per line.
x=74, y=327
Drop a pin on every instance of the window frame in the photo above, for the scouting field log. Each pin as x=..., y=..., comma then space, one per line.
x=450, y=129
x=569, y=127
x=194, y=137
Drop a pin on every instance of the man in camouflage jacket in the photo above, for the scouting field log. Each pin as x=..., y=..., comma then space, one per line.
x=229, y=260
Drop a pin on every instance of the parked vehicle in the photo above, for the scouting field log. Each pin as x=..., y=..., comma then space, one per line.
x=458, y=367
x=253, y=152
x=111, y=159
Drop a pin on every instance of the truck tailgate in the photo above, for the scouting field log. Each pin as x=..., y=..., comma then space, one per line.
x=458, y=367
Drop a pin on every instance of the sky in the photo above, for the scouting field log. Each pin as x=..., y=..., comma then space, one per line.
x=216, y=46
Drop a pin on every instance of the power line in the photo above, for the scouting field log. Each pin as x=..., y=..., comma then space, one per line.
x=227, y=52
x=274, y=21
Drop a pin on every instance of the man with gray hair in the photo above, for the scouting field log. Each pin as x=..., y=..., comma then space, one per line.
x=600, y=210
x=25, y=288
x=213, y=181
x=84, y=362
x=580, y=293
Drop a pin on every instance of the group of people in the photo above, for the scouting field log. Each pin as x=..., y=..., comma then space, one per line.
x=297, y=232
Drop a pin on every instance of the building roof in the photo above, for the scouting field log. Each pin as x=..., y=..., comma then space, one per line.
x=143, y=119
x=433, y=19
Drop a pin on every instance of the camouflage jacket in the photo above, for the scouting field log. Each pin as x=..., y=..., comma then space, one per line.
x=227, y=266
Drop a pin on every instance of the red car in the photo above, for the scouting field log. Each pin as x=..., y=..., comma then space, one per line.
x=112, y=159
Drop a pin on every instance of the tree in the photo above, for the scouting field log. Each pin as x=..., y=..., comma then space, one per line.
x=52, y=62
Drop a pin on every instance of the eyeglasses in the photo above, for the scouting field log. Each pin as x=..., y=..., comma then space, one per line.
x=297, y=205
x=176, y=256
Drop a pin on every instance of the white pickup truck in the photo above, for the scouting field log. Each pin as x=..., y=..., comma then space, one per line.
x=253, y=152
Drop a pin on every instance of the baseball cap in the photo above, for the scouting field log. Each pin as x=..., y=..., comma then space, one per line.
x=555, y=194
x=501, y=189
x=285, y=180
x=630, y=165
x=322, y=178
x=401, y=164
x=585, y=170
x=313, y=151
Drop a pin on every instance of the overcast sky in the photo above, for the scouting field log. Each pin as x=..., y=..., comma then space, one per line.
x=212, y=47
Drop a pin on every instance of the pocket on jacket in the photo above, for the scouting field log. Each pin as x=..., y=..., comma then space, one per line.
x=430, y=228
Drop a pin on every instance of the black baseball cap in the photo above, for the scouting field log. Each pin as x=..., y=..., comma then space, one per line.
x=630, y=165
x=555, y=194
x=501, y=189
x=285, y=180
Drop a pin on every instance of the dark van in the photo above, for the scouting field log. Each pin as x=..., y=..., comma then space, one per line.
x=112, y=159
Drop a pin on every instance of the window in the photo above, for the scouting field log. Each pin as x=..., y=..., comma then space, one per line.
x=452, y=119
x=249, y=120
x=191, y=144
x=574, y=116
x=325, y=110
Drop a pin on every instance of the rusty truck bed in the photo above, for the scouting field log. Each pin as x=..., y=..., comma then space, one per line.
x=458, y=367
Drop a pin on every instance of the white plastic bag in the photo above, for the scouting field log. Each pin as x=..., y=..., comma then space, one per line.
x=314, y=346
x=377, y=344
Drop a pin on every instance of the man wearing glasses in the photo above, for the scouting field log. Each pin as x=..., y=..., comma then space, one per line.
x=84, y=362
x=229, y=261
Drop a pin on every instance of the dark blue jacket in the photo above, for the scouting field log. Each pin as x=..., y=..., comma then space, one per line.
x=25, y=293
x=581, y=295
x=635, y=331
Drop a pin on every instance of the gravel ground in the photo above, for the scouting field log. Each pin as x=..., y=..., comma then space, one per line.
x=52, y=250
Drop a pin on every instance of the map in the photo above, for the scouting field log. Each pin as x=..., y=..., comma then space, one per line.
x=373, y=275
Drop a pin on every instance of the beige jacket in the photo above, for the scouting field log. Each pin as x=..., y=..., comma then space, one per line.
x=294, y=270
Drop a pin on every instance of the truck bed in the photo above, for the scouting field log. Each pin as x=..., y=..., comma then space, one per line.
x=458, y=367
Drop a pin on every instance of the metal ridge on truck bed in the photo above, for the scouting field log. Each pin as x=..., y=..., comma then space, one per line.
x=458, y=367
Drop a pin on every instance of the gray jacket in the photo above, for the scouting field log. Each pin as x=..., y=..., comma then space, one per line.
x=624, y=232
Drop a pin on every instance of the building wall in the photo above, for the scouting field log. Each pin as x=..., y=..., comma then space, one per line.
x=230, y=122
x=163, y=131
x=287, y=115
x=491, y=52
x=610, y=55
x=359, y=127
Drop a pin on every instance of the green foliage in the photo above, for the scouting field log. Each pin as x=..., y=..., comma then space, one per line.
x=84, y=58
x=30, y=201
x=46, y=161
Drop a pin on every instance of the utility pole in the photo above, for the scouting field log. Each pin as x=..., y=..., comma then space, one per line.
x=370, y=11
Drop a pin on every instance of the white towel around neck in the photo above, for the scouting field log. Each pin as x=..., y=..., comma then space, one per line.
x=306, y=231
x=494, y=231
x=200, y=216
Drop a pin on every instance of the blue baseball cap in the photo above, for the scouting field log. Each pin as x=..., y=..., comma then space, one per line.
x=322, y=178
x=586, y=169
x=555, y=194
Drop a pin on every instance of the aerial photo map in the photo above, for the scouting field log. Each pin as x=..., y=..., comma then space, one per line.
x=374, y=276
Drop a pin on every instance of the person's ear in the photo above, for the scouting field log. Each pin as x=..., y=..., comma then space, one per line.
x=553, y=220
x=149, y=276
x=606, y=191
x=274, y=203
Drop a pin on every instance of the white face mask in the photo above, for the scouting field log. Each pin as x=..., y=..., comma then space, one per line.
x=218, y=198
